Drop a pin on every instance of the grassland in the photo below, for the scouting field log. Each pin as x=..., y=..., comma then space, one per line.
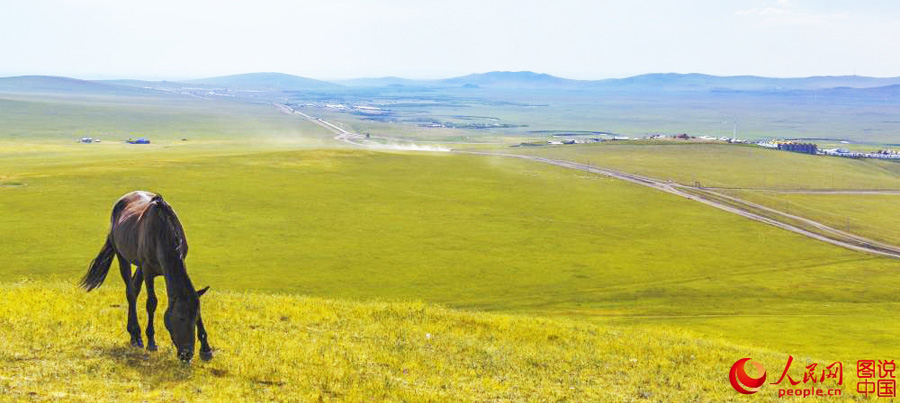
x=166, y=119
x=876, y=216
x=617, y=266
x=465, y=231
x=730, y=166
x=289, y=348
x=758, y=175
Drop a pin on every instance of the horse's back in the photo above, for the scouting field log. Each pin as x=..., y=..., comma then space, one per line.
x=125, y=218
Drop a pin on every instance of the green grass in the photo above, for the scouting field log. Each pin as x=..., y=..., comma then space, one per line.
x=115, y=119
x=731, y=166
x=271, y=205
x=467, y=231
x=289, y=348
x=875, y=216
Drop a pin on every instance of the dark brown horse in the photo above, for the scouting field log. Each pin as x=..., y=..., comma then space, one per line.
x=145, y=232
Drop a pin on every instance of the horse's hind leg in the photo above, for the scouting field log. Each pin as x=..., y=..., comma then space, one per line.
x=131, y=293
x=151, y=309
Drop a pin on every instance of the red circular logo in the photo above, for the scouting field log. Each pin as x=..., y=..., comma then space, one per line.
x=742, y=382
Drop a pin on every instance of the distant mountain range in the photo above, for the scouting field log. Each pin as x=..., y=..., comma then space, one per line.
x=645, y=82
x=704, y=82
x=504, y=80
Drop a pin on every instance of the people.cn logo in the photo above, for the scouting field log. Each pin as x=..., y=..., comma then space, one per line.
x=742, y=382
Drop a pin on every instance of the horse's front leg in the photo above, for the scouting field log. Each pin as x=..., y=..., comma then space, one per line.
x=151, y=310
x=205, y=349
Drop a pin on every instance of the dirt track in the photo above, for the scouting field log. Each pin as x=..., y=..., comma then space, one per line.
x=820, y=191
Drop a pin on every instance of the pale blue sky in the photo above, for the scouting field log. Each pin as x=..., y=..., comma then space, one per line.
x=168, y=39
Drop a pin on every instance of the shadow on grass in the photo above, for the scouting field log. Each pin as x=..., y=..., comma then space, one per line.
x=162, y=369
x=156, y=369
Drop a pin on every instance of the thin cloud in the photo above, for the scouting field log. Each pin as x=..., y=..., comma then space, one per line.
x=785, y=14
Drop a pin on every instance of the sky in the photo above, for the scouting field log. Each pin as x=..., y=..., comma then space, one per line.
x=334, y=39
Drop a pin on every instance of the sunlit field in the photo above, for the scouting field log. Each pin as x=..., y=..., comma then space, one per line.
x=729, y=166
x=292, y=224
x=401, y=201
x=876, y=216
x=289, y=348
x=483, y=233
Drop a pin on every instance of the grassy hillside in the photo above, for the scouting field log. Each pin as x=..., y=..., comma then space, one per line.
x=115, y=119
x=70, y=86
x=467, y=231
x=60, y=343
x=731, y=166
x=876, y=216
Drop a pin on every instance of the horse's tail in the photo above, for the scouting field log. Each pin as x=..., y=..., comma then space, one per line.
x=99, y=266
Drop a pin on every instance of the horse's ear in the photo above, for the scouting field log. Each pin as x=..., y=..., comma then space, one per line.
x=202, y=291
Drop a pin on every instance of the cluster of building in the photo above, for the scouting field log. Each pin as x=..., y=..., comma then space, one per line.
x=812, y=148
x=685, y=136
x=582, y=140
x=804, y=148
x=880, y=154
x=611, y=137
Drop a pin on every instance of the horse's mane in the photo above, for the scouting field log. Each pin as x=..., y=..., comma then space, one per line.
x=168, y=228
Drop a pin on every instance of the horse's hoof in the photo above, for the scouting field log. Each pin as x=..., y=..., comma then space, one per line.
x=137, y=344
x=206, y=355
x=152, y=347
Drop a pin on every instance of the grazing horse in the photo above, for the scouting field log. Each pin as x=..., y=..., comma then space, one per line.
x=145, y=232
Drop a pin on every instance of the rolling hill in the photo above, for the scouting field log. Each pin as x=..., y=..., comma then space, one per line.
x=513, y=79
x=268, y=82
x=705, y=82
x=383, y=82
x=66, y=85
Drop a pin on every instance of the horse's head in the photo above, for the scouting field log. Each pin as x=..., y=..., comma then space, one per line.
x=181, y=322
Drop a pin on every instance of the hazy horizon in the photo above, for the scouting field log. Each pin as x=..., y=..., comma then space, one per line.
x=168, y=40
x=102, y=78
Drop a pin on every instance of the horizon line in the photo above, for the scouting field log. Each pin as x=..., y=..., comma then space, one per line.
x=136, y=77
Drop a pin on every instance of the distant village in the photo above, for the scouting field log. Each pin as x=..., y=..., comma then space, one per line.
x=561, y=139
x=783, y=145
x=812, y=148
